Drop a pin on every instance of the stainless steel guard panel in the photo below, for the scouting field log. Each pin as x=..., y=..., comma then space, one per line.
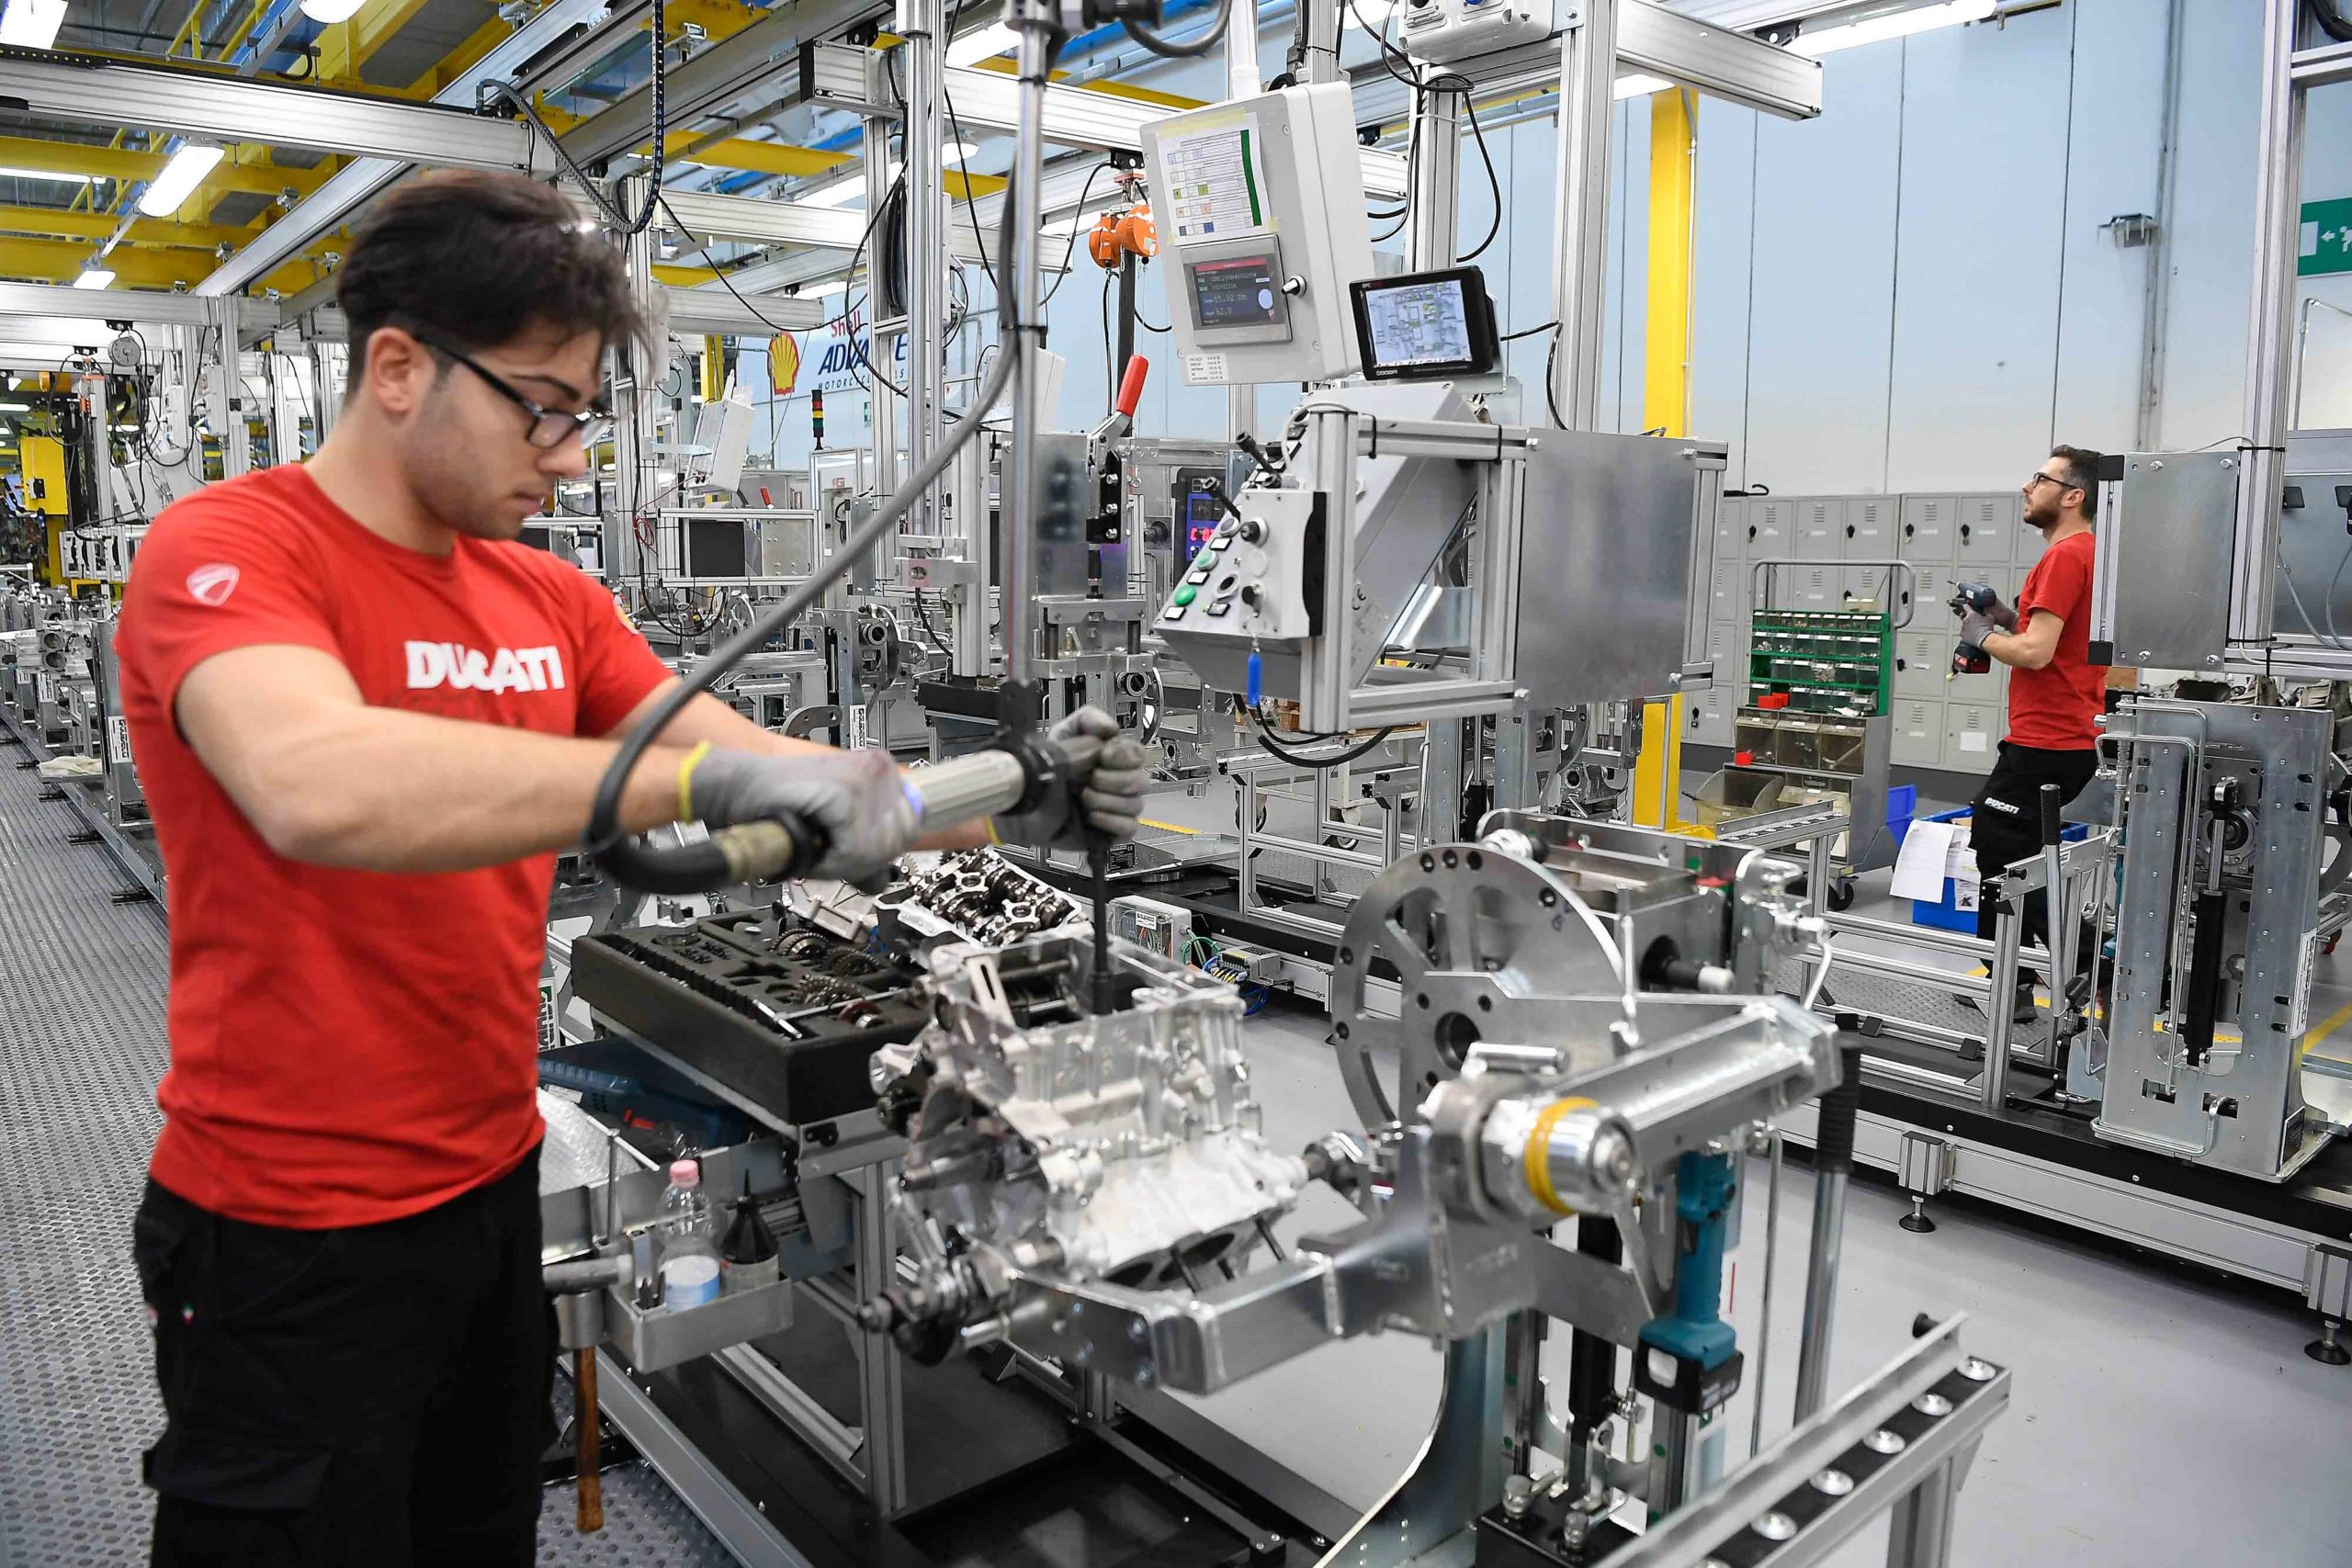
x=1612, y=550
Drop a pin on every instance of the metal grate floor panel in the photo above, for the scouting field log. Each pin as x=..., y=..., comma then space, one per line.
x=82, y=986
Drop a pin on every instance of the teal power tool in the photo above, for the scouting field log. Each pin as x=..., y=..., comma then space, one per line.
x=1689, y=1360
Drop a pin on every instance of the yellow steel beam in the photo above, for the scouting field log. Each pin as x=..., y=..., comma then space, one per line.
x=1666, y=381
x=1665, y=401
x=683, y=277
x=59, y=261
x=99, y=225
x=124, y=165
x=346, y=47
x=1108, y=89
x=752, y=157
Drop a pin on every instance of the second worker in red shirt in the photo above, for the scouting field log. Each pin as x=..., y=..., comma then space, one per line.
x=2057, y=693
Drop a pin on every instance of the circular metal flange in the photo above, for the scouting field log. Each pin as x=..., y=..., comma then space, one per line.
x=1932, y=1404
x=1474, y=938
x=1885, y=1442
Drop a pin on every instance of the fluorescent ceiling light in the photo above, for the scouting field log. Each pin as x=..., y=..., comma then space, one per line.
x=849, y=189
x=820, y=290
x=8, y=172
x=986, y=44
x=1891, y=25
x=15, y=408
x=840, y=193
x=330, y=11
x=166, y=192
x=1636, y=85
x=95, y=277
x=31, y=24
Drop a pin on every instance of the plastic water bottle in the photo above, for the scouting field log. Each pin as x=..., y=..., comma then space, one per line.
x=689, y=1241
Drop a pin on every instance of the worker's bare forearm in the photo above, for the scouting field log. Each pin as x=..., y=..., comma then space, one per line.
x=403, y=792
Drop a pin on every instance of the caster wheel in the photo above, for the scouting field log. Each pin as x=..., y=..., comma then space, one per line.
x=1841, y=894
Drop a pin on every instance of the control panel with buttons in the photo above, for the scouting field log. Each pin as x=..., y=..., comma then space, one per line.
x=1257, y=578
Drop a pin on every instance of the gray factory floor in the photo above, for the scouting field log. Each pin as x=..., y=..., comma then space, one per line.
x=2158, y=1418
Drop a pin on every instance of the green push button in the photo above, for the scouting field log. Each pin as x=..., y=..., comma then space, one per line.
x=1185, y=595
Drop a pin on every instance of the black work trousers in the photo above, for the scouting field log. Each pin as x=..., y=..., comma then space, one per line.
x=375, y=1396
x=2005, y=822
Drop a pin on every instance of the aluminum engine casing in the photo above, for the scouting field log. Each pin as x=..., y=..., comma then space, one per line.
x=1127, y=1140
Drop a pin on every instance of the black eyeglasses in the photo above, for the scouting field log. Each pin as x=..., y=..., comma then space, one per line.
x=2040, y=478
x=549, y=426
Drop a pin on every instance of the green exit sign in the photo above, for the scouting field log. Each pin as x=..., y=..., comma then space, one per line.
x=2327, y=239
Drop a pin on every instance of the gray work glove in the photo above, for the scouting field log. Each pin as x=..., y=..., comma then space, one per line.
x=1108, y=770
x=856, y=798
x=1979, y=600
x=1973, y=626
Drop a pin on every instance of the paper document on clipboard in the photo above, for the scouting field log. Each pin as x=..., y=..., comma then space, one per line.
x=1919, y=869
x=1216, y=182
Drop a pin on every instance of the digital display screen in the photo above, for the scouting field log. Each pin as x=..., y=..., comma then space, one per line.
x=1240, y=291
x=1419, y=323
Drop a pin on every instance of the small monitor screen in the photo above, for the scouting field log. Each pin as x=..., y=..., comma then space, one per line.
x=1419, y=323
x=1426, y=325
x=1239, y=291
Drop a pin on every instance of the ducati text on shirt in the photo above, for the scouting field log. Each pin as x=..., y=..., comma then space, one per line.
x=453, y=664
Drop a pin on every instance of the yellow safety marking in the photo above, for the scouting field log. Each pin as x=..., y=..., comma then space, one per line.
x=2328, y=1026
x=1538, y=1157
x=1167, y=827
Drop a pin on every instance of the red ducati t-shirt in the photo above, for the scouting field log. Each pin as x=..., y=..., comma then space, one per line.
x=351, y=1047
x=2056, y=707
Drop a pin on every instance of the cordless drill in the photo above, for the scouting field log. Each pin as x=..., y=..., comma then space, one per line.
x=1969, y=658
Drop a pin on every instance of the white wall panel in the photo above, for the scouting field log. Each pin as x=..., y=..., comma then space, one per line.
x=2116, y=117
x=1722, y=240
x=1824, y=284
x=2212, y=242
x=1977, y=250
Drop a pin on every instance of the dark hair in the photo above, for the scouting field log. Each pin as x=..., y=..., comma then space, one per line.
x=2082, y=474
x=475, y=258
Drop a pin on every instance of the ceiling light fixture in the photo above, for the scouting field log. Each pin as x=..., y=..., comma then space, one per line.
x=1887, y=25
x=986, y=44
x=31, y=24
x=95, y=276
x=168, y=191
x=1638, y=84
x=329, y=12
x=14, y=174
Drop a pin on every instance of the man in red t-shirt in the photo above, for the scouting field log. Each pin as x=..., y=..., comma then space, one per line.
x=367, y=719
x=2057, y=693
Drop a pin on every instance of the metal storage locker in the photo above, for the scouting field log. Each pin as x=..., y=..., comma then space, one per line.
x=1820, y=528
x=1870, y=588
x=1972, y=735
x=1988, y=528
x=1769, y=534
x=1928, y=531
x=1727, y=593
x=1872, y=530
x=1731, y=528
x=1921, y=659
x=1918, y=733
